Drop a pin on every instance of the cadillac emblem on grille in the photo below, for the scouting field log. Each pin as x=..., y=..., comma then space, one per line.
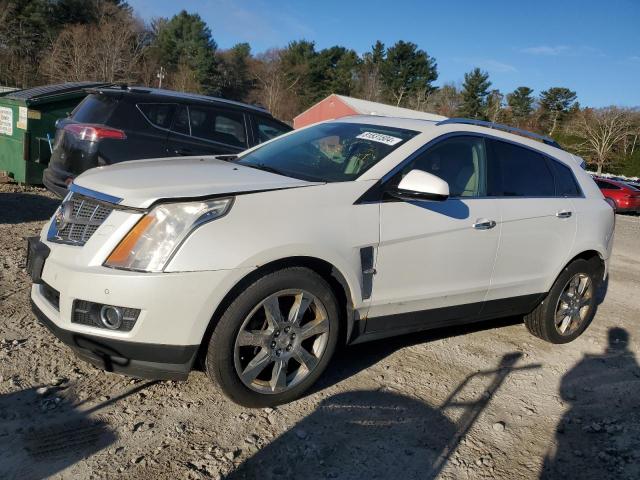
x=63, y=215
x=77, y=219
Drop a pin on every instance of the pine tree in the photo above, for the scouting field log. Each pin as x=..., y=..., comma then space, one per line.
x=332, y=70
x=474, y=94
x=521, y=103
x=407, y=70
x=185, y=41
x=556, y=102
x=234, y=64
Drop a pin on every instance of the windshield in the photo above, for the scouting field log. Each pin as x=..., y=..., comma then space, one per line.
x=329, y=152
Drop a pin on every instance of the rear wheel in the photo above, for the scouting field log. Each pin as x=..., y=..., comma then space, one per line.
x=275, y=339
x=568, y=308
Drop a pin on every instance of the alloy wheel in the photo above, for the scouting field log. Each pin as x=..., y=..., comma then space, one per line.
x=574, y=304
x=281, y=341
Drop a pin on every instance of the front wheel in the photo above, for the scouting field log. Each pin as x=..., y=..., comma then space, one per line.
x=275, y=339
x=568, y=308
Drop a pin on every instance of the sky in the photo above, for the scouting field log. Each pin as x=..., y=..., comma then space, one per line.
x=592, y=47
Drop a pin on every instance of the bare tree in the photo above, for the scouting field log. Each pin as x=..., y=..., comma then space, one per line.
x=274, y=88
x=495, y=103
x=107, y=51
x=185, y=79
x=370, y=83
x=603, y=131
x=445, y=100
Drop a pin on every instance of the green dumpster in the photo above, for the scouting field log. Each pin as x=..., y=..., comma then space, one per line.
x=26, y=118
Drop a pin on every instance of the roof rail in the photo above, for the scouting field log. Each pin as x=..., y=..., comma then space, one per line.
x=504, y=128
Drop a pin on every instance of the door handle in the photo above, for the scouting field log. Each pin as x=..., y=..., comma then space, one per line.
x=563, y=214
x=484, y=224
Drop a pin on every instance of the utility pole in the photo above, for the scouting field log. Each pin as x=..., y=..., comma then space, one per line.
x=160, y=76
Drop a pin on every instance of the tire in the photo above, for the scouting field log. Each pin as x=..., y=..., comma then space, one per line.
x=542, y=321
x=249, y=331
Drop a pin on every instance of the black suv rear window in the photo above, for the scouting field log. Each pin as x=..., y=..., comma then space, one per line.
x=95, y=108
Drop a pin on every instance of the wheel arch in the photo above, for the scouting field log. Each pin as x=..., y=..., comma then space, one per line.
x=332, y=275
x=595, y=259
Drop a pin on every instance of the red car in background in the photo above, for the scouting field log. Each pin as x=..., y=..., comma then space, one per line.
x=622, y=197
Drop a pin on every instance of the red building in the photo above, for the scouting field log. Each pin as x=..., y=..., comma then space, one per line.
x=336, y=106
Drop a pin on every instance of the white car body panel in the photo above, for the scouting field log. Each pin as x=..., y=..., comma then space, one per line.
x=533, y=242
x=427, y=256
x=284, y=228
x=413, y=274
x=143, y=182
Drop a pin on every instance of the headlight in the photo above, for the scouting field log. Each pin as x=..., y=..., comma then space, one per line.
x=153, y=240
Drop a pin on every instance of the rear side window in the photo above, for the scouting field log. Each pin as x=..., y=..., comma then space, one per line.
x=181, y=120
x=268, y=129
x=521, y=172
x=566, y=185
x=95, y=108
x=218, y=125
x=158, y=114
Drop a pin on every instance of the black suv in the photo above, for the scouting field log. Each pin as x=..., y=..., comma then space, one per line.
x=116, y=124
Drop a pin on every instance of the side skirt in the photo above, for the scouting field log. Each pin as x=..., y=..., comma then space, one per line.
x=375, y=328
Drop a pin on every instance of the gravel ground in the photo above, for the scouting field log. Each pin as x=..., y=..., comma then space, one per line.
x=487, y=401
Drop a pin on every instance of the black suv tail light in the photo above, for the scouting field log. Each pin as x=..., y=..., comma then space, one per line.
x=93, y=133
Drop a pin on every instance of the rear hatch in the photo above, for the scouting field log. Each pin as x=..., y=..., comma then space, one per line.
x=76, y=142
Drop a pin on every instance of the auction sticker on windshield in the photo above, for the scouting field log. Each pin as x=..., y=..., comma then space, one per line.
x=379, y=137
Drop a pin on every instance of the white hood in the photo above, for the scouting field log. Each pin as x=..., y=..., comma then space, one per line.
x=139, y=183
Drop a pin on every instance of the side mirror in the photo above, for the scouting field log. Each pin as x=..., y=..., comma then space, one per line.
x=419, y=185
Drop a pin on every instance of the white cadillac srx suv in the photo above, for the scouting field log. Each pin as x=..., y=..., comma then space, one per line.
x=351, y=230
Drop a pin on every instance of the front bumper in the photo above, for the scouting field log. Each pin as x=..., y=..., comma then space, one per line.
x=142, y=360
x=175, y=312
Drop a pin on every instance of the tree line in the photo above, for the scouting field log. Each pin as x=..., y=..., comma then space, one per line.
x=46, y=41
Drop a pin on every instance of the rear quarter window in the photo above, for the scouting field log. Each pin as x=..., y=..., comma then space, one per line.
x=566, y=185
x=95, y=108
x=267, y=129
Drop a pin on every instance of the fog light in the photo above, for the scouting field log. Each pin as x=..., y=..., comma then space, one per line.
x=111, y=317
x=98, y=315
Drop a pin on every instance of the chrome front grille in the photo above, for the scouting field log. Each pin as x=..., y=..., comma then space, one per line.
x=77, y=219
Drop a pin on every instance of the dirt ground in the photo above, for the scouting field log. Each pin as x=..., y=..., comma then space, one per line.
x=487, y=401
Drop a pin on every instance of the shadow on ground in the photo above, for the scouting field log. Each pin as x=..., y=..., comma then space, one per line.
x=42, y=433
x=353, y=359
x=599, y=436
x=26, y=207
x=376, y=434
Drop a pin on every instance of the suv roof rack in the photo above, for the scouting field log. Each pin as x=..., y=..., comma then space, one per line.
x=119, y=88
x=504, y=128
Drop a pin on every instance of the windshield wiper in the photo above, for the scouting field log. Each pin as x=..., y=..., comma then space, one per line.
x=227, y=158
x=266, y=168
